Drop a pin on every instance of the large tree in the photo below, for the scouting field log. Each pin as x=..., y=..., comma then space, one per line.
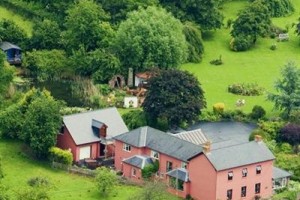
x=151, y=37
x=175, y=96
x=205, y=13
x=11, y=32
x=287, y=97
x=106, y=180
x=6, y=75
x=86, y=26
x=253, y=21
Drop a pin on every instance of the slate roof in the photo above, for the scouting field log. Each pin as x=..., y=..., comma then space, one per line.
x=239, y=155
x=179, y=173
x=193, y=136
x=280, y=173
x=223, y=134
x=139, y=161
x=161, y=142
x=6, y=45
x=80, y=125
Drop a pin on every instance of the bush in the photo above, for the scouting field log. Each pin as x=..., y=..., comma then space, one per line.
x=135, y=119
x=271, y=127
x=290, y=133
x=38, y=181
x=241, y=43
x=294, y=116
x=61, y=156
x=250, y=89
x=257, y=112
x=217, y=61
x=263, y=134
x=209, y=116
x=273, y=47
x=234, y=115
x=218, y=108
x=150, y=169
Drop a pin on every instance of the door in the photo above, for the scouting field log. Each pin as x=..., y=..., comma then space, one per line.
x=84, y=152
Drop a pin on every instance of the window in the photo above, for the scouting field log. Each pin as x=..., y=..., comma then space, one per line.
x=243, y=191
x=183, y=165
x=176, y=183
x=154, y=154
x=169, y=166
x=229, y=194
x=258, y=169
x=244, y=172
x=230, y=175
x=257, y=188
x=133, y=172
x=126, y=147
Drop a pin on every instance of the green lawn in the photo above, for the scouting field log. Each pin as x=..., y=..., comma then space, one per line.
x=19, y=20
x=18, y=168
x=259, y=65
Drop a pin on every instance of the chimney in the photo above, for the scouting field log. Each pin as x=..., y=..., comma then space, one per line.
x=257, y=138
x=102, y=131
x=207, y=147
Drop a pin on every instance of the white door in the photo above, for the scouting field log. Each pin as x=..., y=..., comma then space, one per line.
x=84, y=152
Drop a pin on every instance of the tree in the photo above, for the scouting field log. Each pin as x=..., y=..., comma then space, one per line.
x=6, y=75
x=194, y=39
x=151, y=37
x=254, y=21
x=290, y=133
x=46, y=35
x=41, y=124
x=85, y=26
x=135, y=119
x=11, y=32
x=205, y=13
x=175, y=96
x=11, y=121
x=106, y=180
x=279, y=8
x=288, y=90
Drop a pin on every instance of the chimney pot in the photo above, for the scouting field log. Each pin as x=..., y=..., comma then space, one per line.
x=258, y=138
x=207, y=147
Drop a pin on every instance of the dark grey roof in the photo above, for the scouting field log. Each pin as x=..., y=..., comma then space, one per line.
x=6, y=45
x=161, y=142
x=225, y=133
x=97, y=124
x=280, y=173
x=179, y=173
x=80, y=125
x=239, y=155
x=139, y=161
x=193, y=136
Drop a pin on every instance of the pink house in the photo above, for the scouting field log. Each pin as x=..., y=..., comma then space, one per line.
x=90, y=134
x=191, y=165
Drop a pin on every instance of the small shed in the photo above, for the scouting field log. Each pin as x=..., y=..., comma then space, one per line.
x=13, y=53
x=130, y=102
x=141, y=78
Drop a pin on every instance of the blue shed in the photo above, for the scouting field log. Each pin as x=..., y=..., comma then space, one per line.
x=13, y=53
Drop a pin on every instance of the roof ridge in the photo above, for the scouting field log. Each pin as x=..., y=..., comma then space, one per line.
x=91, y=111
x=238, y=144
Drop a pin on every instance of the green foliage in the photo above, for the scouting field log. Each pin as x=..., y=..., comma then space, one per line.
x=1, y=172
x=193, y=37
x=149, y=170
x=135, y=119
x=174, y=95
x=289, y=162
x=289, y=193
x=265, y=136
x=218, y=108
x=85, y=26
x=150, y=37
x=235, y=115
x=4, y=192
x=294, y=116
x=273, y=47
x=279, y=8
x=253, y=21
x=6, y=75
x=258, y=112
x=46, y=35
x=106, y=180
x=241, y=43
x=11, y=121
x=32, y=194
x=246, y=89
x=271, y=128
x=38, y=182
x=205, y=13
x=61, y=156
x=153, y=190
x=11, y=32
x=46, y=64
x=287, y=97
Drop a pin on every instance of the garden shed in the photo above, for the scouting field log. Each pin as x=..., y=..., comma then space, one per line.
x=13, y=53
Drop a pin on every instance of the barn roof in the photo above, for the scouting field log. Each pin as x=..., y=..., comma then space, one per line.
x=6, y=46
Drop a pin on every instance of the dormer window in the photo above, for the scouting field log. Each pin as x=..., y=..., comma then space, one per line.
x=244, y=172
x=258, y=169
x=154, y=154
x=230, y=175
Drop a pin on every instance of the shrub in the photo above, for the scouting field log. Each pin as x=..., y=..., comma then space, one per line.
x=234, y=115
x=61, y=156
x=294, y=116
x=257, y=112
x=263, y=134
x=241, y=43
x=209, y=116
x=250, y=89
x=273, y=47
x=290, y=133
x=217, y=61
x=135, y=119
x=38, y=181
x=150, y=169
x=218, y=108
x=271, y=127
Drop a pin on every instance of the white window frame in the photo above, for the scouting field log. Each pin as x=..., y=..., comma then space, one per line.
x=184, y=165
x=258, y=169
x=126, y=147
x=133, y=172
x=154, y=154
x=244, y=172
x=230, y=175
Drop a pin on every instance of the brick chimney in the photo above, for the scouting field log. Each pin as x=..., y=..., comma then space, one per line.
x=257, y=138
x=102, y=131
x=207, y=147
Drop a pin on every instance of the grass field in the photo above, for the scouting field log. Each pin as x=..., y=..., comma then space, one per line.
x=19, y=20
x=259, y=65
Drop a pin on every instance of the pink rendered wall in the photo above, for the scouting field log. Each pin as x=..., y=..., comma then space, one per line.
x=203, y=178
x=127, y=172
x=120, y=154
x=265, y=179
x=65, y=141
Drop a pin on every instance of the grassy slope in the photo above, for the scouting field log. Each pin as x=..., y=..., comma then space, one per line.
x=19, y=20
x=259, y=65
